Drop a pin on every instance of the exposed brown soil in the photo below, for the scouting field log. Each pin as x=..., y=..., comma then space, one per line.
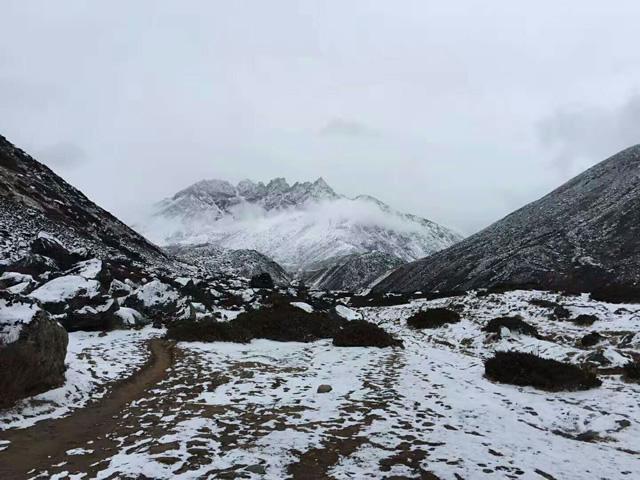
x=37, y=447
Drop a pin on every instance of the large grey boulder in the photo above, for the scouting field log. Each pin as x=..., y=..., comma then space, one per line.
x=32, y=351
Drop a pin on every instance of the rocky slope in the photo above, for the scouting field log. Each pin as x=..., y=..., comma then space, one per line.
x=583, y=236
x=33, y=199
x=211, y=260
x=296, y=225
x=352, y=272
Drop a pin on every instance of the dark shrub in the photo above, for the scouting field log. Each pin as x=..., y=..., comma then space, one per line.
x=585, y=320
x=591, y=339
x=561, y=313
x=617, y=294
x=433, y=318
x=286, y=323
x=360, y=333
x=539, y=302
x=527, y=369
x=632, y=371
x=378, y=300
x=262, y=280
x=207, y=330
x=514, y=324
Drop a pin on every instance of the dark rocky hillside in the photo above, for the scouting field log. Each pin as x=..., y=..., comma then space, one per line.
x=351, y=272
x=583, y=236
x=33, y=199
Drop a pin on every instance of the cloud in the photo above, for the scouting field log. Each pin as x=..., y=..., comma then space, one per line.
x=63, y=155
x=347, y=128
x=579, y=134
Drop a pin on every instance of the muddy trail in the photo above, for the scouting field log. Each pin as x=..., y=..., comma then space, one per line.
x=37, y=448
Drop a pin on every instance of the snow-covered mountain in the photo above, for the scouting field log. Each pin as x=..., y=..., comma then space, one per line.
x=296, y=225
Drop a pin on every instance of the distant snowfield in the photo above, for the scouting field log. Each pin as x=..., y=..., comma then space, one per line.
x=253, y=411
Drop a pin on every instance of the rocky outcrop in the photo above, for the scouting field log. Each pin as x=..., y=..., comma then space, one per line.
x=583, y=236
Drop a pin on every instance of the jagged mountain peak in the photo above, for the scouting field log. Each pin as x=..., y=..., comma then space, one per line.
x=296, y=225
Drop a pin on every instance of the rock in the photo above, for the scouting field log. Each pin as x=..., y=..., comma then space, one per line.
x=94, y=318
x=257, y=469
x=433, y=318
x=346, y=313
x=34, y=362
x=262, y=280
x=34, y=265
x=119, y=289
x=360, y=333
x=50, y=247
x=324, y=388
x=66, y=293
x=154, y=299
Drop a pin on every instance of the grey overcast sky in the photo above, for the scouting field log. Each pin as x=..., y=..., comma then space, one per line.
x=456, y=111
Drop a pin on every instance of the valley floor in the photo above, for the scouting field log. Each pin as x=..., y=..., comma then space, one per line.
x=221, y=410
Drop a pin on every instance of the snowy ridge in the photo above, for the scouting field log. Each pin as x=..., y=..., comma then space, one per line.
x=295, y=225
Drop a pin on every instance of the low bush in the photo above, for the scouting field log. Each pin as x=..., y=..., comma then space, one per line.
x=262, y=280
x=584, y=320
x=561, y=313
x=527, y=369
x=286, y=323
x=631, y=371
x=360, y=333
x=207, y=330
x=514, y=324
x=378, y=300
x=433, y=318
x=540, y=302
x=591, y=339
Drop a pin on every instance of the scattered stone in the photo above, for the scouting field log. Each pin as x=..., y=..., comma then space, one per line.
x=324, y=388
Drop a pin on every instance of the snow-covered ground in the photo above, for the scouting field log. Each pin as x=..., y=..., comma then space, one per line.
x=93, y=361
x=426, y=411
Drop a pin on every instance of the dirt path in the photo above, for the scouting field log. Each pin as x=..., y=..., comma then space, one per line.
x=44, y=444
